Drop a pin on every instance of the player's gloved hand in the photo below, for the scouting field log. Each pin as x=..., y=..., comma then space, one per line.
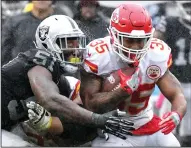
x=129, y=83
x=169, y=122
x=39, y=118
x=113, y=124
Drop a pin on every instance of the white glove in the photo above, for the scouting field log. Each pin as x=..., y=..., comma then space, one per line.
x=39, y=118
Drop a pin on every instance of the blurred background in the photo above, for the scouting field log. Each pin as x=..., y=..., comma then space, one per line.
x=156, y=8
x=93, y=15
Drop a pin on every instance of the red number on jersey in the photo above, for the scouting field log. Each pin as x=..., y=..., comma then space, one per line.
x=156, y=44
x=139, y=99
x=99, y=45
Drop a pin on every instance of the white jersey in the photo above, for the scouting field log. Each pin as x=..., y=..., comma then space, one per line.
x=74, y=87
x=101, y=59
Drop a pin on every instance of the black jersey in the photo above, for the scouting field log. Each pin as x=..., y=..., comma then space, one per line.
x=14, y=74
x=177, y=35
x=15, y=83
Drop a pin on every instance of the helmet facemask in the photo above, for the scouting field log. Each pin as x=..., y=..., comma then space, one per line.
x=70, y=51
x=70, y=48
x=130, y=55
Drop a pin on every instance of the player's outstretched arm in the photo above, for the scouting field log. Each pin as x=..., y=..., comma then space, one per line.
x=47, y=94
x=41, y=120
x=171, y=89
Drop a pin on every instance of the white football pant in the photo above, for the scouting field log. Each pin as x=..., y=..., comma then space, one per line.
x=156, y=139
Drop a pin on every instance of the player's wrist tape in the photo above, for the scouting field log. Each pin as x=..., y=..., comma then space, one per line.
x=49, y=123
x=45, y=126
x=177, y=117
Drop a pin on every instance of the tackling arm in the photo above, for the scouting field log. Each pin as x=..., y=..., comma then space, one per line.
x=47, y=94
x=95, y=100
x=171, y=89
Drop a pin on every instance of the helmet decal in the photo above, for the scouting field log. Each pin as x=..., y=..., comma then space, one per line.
x=115, y=16
x=43, y=32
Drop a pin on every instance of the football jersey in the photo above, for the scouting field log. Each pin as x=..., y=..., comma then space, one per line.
x=14, y=73
x=177, y=34
x=15, y=83
x=101, y=59
x=74, y=85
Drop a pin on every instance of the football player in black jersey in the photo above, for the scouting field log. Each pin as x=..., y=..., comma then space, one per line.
x=176, y=32
x=37, y=73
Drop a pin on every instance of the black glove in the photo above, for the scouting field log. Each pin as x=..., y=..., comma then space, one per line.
x=113, y=124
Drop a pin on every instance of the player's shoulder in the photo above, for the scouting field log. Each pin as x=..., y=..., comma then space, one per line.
x=36, y=52
x=158, y=50
x=96, y=56
x=97, y=49
x=98, y=45
x=39, y=57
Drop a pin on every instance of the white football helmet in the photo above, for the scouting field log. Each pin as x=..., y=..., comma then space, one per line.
x=60, y=35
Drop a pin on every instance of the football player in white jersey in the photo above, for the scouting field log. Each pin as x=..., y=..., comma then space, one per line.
x=131, y=43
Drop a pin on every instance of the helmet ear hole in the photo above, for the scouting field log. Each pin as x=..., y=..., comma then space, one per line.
x=61, y=43
x=45, y=45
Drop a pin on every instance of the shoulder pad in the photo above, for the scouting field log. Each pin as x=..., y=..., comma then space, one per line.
x=158, y=57
x=41, y=57
x=96, y=55
x=159, y=51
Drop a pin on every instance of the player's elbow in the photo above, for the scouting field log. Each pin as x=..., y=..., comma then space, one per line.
x=179, y=101
x=181, y=98
x=46, y=99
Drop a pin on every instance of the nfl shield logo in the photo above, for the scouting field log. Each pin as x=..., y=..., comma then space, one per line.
x=43, y=32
